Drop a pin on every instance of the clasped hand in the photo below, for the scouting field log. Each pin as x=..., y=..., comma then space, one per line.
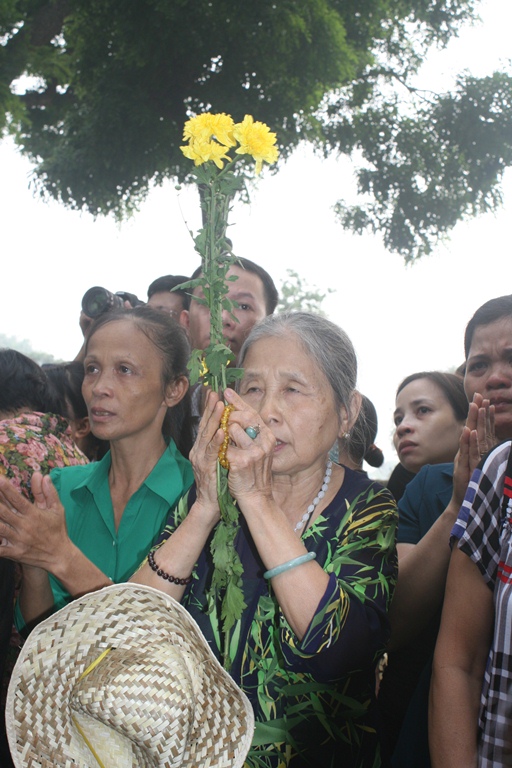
x=32, y=533
x=477, y=438
x=250, y=460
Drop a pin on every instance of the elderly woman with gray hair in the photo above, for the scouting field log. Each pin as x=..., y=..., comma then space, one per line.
x=316, y=541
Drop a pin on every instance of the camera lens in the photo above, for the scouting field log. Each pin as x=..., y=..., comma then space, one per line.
x=96, y=301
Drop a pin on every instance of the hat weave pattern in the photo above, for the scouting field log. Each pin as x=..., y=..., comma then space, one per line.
x=158, y=698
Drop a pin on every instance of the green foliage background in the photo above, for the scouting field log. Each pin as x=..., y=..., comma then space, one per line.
x=113, y=83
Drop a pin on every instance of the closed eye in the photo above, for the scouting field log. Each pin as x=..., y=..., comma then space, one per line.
x=250, y=390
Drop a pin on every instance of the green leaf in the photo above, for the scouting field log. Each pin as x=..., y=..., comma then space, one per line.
x=195, y=365
x=220, y=547
x=233, y=374
x=232, y=605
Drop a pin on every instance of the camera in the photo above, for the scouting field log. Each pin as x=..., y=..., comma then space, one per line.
x=98, y=300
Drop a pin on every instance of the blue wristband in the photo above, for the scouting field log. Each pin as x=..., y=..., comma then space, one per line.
x=289, y=565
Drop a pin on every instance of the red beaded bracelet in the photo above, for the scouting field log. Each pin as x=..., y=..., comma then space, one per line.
x=163, y=575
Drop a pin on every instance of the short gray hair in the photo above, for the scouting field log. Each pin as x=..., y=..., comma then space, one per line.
x=323, y=341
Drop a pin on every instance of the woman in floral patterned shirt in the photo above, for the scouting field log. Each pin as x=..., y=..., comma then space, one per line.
x=316, y=542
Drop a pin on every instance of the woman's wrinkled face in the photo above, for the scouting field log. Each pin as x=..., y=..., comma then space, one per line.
x=123, y=383
x=489, y=371
x=426, y=429
x=295, y=401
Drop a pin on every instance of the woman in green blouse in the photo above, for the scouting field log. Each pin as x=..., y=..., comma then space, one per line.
x=93, y=524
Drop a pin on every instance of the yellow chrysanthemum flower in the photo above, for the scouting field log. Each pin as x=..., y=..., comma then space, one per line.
x=203, y=127
x=256, y=139
x=198, y=128
x=222, y=129
x=203, y=151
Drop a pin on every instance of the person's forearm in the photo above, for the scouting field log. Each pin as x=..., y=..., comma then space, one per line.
x=179, y=554
x=300, y=589
x=77, y=574
x=421, y=580
x=459, y=664
x=35, y=599
x=453, y=718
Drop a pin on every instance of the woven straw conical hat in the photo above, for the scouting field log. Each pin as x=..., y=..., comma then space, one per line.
x=123, y=677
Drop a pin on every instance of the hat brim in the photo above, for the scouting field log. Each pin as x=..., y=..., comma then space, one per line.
x=39, y=719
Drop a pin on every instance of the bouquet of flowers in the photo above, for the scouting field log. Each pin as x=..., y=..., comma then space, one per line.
x=210, y=140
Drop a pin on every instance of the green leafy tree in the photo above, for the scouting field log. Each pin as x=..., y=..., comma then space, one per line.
x=296, y=295
x=112, y=82
x=425, y=173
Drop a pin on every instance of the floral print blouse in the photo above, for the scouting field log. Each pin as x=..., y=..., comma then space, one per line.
x=35, y=442
x=314, y=698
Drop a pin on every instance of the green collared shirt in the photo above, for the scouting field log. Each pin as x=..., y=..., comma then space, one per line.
x=85, y=494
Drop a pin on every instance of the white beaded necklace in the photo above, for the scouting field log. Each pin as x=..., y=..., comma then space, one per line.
x=306, y=517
